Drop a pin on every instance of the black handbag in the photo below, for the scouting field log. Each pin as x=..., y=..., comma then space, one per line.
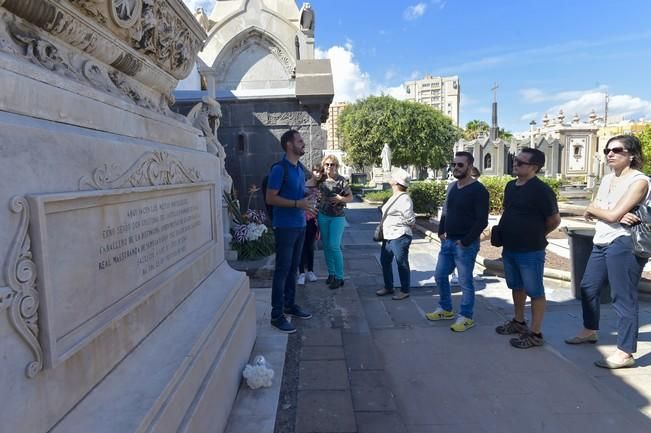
x=641, y=233
x=496, y=236
x=378, y=235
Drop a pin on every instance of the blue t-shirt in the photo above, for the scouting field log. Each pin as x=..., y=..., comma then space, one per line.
x=293, y=189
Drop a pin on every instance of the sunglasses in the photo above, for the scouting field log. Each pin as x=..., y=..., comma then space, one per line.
x=517, y=161
x=458, y=164
x=329, y=164
x=615, y=150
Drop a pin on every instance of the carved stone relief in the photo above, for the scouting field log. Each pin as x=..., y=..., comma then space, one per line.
x=126, y=13
x=19, y=39
x=151, y=169
x=244, y=41
x=290, y=118
x=152, y=28
x=23, y=299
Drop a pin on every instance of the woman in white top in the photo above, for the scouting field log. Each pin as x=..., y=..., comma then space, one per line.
x=612, y=260
x=399, y=217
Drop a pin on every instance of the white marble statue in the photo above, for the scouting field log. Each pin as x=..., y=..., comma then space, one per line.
x=200, y=116
x=386, y=158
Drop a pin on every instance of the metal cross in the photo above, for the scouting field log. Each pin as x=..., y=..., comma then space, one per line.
x=494, y=89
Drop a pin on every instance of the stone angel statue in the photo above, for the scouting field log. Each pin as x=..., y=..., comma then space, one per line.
x=307, y=18
x=201, y=116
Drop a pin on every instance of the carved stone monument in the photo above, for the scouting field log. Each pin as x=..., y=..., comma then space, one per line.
x=259, y=64
x=118, y=313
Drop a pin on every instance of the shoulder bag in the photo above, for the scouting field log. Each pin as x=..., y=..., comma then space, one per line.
x=641, y=233
x=378, y=235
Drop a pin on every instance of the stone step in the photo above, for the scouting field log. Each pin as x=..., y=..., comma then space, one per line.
x=178, y=376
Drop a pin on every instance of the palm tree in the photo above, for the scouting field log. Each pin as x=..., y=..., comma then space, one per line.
x=474, y=129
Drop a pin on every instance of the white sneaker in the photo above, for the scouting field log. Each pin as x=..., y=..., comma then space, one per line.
x=311, y=277
x=301, y=280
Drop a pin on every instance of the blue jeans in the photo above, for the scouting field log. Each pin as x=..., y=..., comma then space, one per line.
x=398, y=248
x=524, y=271
x=332, y=231
x=614, y=264
x=463, y=258
x=289, y=246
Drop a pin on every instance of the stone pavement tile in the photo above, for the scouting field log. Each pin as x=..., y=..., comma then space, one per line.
x=323, y=375
x=403, y=313
x=365, y=281
x=361, y=353
x=367, y=378
x=380, y=422
x=322, y=337
x=322, y=353
x=251, y=424
x=376, y=315
x=370, y=399
x=446, y=428
x=631, y=388
x=325, y=411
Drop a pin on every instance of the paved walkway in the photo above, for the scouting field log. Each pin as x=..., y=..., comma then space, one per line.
x=369, y=364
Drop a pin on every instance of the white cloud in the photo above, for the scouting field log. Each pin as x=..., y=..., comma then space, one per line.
x=623, y=106
x=207, y=5
x=533, y=95
x=541, y=54
x=414, y=12
x=537, y=95
x=350, y=81
x=441, y=3
x=529, y=116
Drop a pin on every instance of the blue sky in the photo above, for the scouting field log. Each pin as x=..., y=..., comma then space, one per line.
x=545, y=55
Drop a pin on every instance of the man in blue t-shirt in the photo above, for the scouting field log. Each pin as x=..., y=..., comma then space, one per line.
x=286, y=193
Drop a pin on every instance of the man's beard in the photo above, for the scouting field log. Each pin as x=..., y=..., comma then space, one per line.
x=460, y=175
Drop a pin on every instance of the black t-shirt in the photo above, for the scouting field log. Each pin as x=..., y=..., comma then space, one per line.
x=526, y=208
x=467, y=213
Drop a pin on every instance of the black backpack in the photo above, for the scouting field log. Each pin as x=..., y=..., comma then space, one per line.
x=265, y=181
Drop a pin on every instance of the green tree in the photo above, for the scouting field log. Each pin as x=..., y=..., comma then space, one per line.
x=416, y=133
x=474, y=129
x=645, y=139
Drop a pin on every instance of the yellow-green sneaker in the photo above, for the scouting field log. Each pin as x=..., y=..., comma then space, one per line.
x=462, y=324
x=440, y=314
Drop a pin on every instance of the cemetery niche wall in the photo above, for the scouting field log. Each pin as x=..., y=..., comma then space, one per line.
x=118, y=312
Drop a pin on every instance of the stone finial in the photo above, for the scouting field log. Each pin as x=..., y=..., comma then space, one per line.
x=561, y=117
x=545, y=120
x=576, y=119
x=593, y=116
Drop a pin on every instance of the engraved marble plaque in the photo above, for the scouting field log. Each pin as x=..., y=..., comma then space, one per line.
x=102, y=253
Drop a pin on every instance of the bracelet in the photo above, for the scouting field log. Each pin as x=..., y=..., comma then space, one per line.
x=294, y=203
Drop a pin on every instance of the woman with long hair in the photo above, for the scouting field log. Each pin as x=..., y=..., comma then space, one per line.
x=612, y=260
x=311, y=228
x=335, y=193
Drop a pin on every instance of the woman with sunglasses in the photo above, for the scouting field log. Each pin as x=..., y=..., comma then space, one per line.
x=612, y=260
x=335, y=193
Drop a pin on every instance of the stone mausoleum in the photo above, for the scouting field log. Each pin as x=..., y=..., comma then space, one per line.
x=118, y=311
x=258, y=63
x=571, y=148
